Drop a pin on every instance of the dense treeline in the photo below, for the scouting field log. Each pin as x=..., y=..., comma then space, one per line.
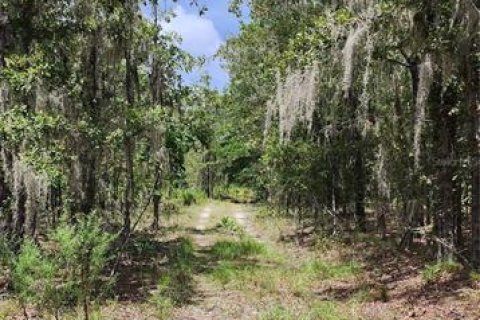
x=91, y=111
x=364, y=112
x=93, y=128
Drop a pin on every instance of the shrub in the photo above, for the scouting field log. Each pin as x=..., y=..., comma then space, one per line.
x=475, y=276
x=65, y=272
x=230, y=224
x=188, y=197
x=435, y=271
x=33, y=278
x=266, y=212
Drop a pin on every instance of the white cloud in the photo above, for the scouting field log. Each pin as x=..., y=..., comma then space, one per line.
x=199, y=35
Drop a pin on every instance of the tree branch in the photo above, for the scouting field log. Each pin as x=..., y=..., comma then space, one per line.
x=404, y=64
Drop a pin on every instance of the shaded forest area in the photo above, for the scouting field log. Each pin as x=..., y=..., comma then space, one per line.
x=352, y=122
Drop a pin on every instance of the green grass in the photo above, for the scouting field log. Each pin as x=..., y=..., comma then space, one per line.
x=229, y=270
x=325, y=270
x=187, y=197
x=475, y=276
x=268, y=278
x=232, y=250
x=324, y=310
x=276, y=312
x=176, y=285
x=318, y=311
x=9, y=308
x=162, y=305
x=183, y=254
x=229, y=224
x=300, y=280
x=237, y=274
x=433, y=272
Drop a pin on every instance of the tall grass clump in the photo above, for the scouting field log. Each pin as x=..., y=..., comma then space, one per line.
x=231, y=250
x=433, y=272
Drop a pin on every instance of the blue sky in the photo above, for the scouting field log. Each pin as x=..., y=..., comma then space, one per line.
x=203, y=35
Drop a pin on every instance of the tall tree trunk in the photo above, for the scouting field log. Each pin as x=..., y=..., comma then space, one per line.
x=473, y=96
x=156, y=211
x=92, y=98
x=333, y=192
x=359, y=183
x=129, y=190
x=444, y=139
x=5, y=193
x=157, y=199
x=128, y=145
x=457, y=214
x=359, y=167
x=3, y=37
x=451, y=98
x=156, y=87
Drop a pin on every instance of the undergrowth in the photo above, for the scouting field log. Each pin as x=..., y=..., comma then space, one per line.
x=229, y=224
x=271, y=272
x=176, y=286
x=433, y=272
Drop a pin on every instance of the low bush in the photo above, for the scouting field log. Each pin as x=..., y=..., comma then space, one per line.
x=433, y=272
x=64, y=272
x=33, y=277
x=188, y=197
x=229, y=224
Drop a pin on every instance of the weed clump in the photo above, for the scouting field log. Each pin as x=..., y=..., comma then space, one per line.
x=188, y=197
x=229, y=224
x=433, y=272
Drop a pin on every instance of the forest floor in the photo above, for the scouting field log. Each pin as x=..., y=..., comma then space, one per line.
x=221, y=261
